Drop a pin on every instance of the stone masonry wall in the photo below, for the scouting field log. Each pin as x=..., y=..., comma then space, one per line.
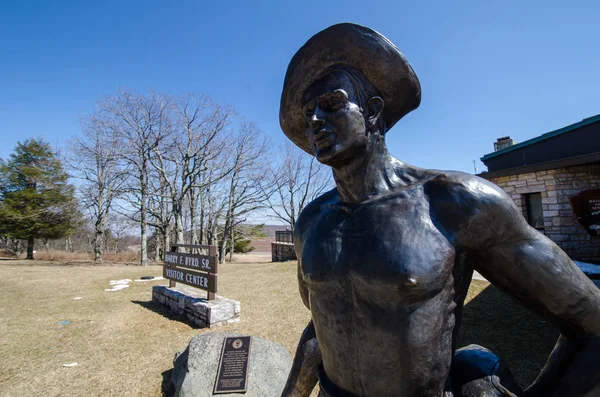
x=556, y=186
x=281, y=252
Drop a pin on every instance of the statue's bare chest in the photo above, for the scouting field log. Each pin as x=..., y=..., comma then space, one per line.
x=389, y=245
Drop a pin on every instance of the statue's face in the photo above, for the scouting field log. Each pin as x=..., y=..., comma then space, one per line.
x=335, y=124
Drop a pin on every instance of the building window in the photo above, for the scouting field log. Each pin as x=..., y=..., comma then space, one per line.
x=535, y=214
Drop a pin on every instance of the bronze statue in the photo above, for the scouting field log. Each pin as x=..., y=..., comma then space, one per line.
x=386, y=258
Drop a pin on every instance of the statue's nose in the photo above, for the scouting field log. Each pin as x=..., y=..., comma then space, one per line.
x=316, y=120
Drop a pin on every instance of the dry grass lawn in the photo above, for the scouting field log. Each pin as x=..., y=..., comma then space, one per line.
x=124, y=344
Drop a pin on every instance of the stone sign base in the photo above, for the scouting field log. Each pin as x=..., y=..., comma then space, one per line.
x=192, y=303
x=281, y=252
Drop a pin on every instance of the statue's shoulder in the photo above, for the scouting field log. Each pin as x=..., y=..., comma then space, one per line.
x=311, y=212
x=460, y=191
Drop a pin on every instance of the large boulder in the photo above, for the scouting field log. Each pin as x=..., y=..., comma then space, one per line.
x=195, y=367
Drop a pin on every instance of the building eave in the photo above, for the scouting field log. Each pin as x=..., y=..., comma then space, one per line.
x=568, y=162
x=548, y=135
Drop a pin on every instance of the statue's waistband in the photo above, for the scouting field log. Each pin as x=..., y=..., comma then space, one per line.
x=328, y=388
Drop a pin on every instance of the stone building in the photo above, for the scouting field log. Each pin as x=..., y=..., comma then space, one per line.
x=543, y=173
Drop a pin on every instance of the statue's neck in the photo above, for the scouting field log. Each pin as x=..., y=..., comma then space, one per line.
x=374, y=174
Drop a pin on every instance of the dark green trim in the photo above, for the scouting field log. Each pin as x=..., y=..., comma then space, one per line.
x=547, y=135
x=549, y=165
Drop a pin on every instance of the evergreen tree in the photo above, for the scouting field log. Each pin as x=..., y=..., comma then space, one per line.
x=36, y=200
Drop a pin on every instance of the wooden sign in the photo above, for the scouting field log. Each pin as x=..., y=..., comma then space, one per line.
x=586, y=206
x=177, y=263
x=232, y=376
x=205, y=281
x=202, y=263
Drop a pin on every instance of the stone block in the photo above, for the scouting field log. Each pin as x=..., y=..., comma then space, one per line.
x=184, y=300
x=529, y=175
x=558, y=237
x=565, y=220
x=531, y=189
x=569, y=192
x=569, y=245
x=569, y=229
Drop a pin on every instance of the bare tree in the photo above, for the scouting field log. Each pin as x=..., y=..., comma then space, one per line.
x=141, y=122
x=244, y=195
x=94, y=160
x=160, y=216
x=119, y=228
x=195, y=138
x=293, y=183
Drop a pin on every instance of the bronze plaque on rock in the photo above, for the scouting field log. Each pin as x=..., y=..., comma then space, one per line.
x=232, y=375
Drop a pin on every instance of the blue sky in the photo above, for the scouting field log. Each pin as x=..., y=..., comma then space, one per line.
x=487, y=68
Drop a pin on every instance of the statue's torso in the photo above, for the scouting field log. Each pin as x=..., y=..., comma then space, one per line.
x=381, y=292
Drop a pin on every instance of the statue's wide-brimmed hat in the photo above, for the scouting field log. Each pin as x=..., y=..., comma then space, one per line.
x=361, y=48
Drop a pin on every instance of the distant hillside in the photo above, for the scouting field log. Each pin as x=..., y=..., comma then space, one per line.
x=271, y=229
x=264, y=245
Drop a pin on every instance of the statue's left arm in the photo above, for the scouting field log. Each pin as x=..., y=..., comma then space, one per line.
x=528, y=266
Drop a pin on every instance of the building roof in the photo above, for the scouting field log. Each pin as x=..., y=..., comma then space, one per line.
x=575, y=144
x=543, y=137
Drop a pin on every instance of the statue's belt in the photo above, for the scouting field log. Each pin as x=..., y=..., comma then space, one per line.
x=328, y=389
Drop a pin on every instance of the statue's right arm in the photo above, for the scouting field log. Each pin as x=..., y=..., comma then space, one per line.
x=303, y=375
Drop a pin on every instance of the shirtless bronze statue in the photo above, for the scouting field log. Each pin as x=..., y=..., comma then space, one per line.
x=385, y=259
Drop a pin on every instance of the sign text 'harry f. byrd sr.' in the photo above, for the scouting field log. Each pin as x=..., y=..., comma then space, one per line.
x=203, y=263
x=194, y=270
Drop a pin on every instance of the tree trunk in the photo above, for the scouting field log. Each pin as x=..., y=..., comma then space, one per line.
x=231, y=245
x=30, y=248
x=202, y=236
x=193, y=225
x=143, y=235
x=157, y=243
x=69, y=244
x=177, y=211
x=143, y=214
x=98, y=244
x=144, y=247
x=166, y=244
x=224, y=238
x=210, y=234
x=222, y=246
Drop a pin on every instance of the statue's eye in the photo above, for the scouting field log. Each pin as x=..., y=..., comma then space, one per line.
x=308, y=111
x=334, y=104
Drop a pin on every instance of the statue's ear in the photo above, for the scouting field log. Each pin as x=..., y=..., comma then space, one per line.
x=374, y=109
